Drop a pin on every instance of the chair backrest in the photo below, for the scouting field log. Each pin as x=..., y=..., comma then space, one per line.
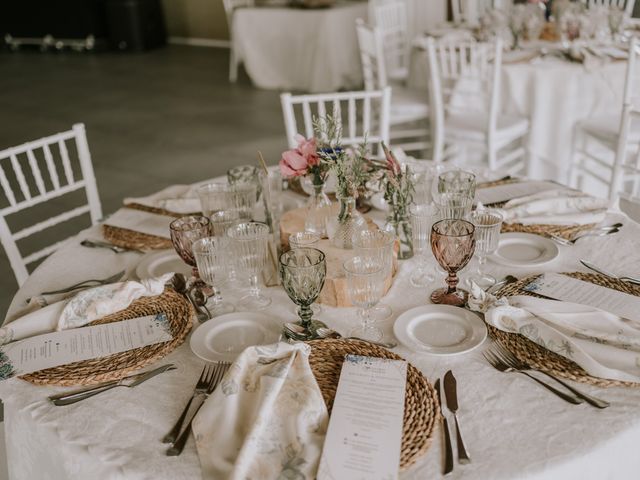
x=391, y=19
x=469, y=11
x=37, y=172
x=627, y=5
x=463, y=77
x=363, y=115
x=371, y=56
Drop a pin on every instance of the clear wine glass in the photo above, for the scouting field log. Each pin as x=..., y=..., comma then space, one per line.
x=365, y=283
x=250, y=247
x=453, y=243
x=186, y=230
x=303, y=272
x=422, y=217
x=215, y=197
x=213, y=257
x=377, y=245
x=487, y=225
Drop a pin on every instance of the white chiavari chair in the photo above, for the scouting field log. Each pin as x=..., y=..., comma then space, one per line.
x=409, y=108
x=390, y=18
x=362, y=115
x=602, y=144
x=626, y=172
x=229, y=7
x=43, y=171
x=464, y=88
x=627, y=5
x=469, y=11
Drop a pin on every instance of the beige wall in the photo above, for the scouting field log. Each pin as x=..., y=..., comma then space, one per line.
x=196, y=19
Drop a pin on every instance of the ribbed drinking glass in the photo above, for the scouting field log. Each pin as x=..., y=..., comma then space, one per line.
x=365, y=283
x=213, y=257
x=250, y=247
x=422, y=217
x=488, y=224
x=215, y=197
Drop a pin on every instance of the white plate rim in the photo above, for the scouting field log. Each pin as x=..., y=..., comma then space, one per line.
x=546, y=242
x=476, y=323
x=261, y=320
x=142, y=269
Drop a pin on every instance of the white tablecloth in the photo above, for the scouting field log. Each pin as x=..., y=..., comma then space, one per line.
x=513, y=428
x=295, y=49
x=554, y=95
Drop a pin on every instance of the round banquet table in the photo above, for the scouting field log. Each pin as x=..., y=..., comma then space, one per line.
x=555, y=95
x=312, y=50
x=513, y=428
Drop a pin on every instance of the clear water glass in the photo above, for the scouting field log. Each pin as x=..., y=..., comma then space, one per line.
x=222, y=220
x=454, y=205
x=245, y=175
x=377, y=245
x=365, y=283
x=213, y=257
x=457, y=182
x=215, y=197
x=488, y=224
x=303, y=239
x=303, y=272
x=422, y=218
x=250, y=252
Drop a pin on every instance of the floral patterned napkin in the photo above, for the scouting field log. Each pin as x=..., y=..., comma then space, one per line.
x=266, y=420
x=602, y=343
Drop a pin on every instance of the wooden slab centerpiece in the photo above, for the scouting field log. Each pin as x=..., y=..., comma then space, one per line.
x=335, y=292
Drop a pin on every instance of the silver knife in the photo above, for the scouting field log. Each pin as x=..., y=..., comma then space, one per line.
x=448, y=455
x=68, y=398
x=450, y=390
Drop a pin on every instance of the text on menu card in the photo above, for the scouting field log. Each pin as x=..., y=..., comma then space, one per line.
x=365, y=430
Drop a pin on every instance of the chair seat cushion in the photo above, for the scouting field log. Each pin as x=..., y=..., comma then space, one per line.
x=473, y=127
x=408, y=105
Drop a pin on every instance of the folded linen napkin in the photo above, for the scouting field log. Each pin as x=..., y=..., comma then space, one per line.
x=181, y=199
x=83, y=308
x=602, y=343
x=271, y=411
x=556, y=207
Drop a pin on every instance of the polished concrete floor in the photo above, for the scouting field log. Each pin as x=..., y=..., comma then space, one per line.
x=153, y=119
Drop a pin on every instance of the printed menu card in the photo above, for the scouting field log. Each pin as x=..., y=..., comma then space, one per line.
x=509, y=191
x=365, y=429
x=568, y=289
x=143, y=222
x=77, y=344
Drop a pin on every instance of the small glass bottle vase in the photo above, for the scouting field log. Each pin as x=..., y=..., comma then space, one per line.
x=319, y=207
x=348, y=223
x=402, y=228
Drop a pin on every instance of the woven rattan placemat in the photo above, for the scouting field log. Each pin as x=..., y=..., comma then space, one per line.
x=543, y=359
x=179, y=313
x=420, y=405
x=126, y=238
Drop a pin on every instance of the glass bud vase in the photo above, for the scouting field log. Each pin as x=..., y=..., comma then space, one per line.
x=348, y=223
x=399, y=224
x=319, y=207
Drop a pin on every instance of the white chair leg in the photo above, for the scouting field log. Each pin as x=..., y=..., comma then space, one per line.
x=233, y=65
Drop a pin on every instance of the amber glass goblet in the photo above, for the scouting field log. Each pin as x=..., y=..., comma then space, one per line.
x=453, y=243
x=184, y=232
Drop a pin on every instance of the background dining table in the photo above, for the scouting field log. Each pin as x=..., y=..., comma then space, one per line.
x=311, y=50
x=513, y=428
x=554, y=94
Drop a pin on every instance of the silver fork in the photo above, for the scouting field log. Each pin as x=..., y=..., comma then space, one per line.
x=219, y=370
x=500, y=364
x=521, y=366
x=88, y=284
x=108, y=246
x=201, y=388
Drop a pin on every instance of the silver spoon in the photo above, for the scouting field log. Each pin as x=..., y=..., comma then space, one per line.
x=591, y=266
x=108, y=246
x=590, y=233
x=328, y=333
x=501, y=283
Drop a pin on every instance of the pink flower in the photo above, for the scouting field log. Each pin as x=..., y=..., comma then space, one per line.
x=308, y=149
x=392, y=164
x=293, y=164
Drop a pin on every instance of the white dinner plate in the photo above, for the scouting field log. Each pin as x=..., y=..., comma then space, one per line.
x=440, y=330
x=524, y=250
x=155, y=264
x=223, y=338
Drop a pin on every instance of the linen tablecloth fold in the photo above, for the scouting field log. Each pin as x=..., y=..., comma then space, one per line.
x=556, y=207
x=266, y=420
x=83, y=308
x=602, y=343
x=181, y=199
